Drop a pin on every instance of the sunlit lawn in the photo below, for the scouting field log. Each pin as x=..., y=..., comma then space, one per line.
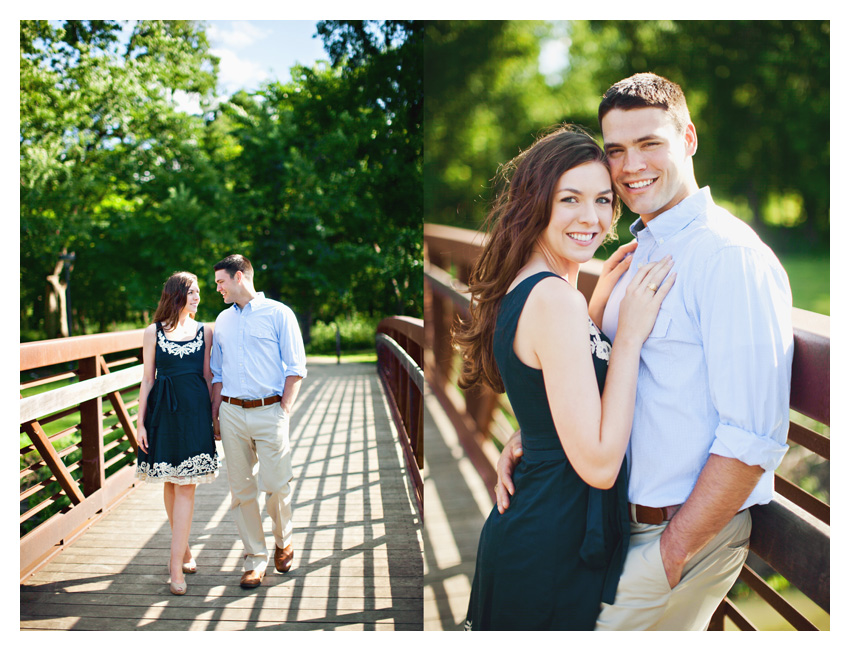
x=809, y=277
x=345, y=358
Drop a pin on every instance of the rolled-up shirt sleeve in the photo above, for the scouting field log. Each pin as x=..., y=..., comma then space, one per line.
x=292, y=345
x=745, y=317
x=215, y=355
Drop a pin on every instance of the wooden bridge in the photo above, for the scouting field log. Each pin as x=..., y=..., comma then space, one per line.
x=357, y=517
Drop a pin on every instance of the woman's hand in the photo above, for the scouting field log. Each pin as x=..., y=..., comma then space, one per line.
x=142, y=437
x=640, y=305
x=504, y=471
x=614, y=267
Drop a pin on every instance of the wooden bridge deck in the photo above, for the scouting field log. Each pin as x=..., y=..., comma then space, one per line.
x=457, y=503
x=357, y=538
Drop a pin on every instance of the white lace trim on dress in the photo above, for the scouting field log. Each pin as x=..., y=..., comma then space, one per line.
x=178, y=349
x=598, y=347
x=200, y=469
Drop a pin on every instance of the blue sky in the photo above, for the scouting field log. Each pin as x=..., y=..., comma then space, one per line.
x=252, y=51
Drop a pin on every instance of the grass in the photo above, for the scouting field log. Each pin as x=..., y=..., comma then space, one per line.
x=809, y=278
x=357, y=333
x=356, y=357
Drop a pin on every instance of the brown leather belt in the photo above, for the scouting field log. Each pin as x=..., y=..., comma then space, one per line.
x=250, y=404
x=651, y=514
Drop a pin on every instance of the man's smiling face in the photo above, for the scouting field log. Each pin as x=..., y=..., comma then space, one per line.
x=226, y=286
x=650, y=160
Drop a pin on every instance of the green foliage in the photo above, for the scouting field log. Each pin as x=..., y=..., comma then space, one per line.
x=108, y=164
x=486, y=101
x=318, y=181
x=356, y=333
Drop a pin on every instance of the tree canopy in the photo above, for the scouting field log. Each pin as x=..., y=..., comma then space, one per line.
x=317, y=180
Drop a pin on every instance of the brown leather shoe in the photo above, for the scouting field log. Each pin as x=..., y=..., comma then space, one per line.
x=252, y=579
x=283, y=558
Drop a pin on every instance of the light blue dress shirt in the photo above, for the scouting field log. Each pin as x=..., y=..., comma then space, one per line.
x=256, y=348
x=715, y=372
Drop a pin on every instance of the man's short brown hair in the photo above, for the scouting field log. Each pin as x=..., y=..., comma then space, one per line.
x=233, y=263
x=647, y=90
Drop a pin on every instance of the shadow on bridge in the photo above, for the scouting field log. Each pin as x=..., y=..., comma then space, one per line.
x=458, y=503
x=357, y=538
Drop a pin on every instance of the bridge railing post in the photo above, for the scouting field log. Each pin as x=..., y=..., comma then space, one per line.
x=91, y=432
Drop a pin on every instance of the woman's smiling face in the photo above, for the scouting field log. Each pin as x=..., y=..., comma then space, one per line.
x=582, y=212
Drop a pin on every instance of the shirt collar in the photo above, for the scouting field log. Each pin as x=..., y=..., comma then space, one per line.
x=674, y=220
x=254, y=303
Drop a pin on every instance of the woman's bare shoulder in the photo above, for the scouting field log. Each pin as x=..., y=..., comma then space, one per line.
x=556, y=295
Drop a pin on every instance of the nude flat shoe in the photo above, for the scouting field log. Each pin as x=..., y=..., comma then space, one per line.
x=176, y=587
x=190, y=567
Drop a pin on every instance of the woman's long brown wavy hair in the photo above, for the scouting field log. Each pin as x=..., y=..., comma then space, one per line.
x=520, y=213
x=174, y=298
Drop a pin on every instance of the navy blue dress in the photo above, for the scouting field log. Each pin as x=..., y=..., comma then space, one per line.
x=556, y=554
x=178, y=416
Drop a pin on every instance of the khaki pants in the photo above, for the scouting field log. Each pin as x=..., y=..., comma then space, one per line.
x=248, y=436
x=644, y=599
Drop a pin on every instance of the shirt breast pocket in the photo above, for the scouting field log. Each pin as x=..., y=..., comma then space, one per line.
x=662, y=325
x=262, y=332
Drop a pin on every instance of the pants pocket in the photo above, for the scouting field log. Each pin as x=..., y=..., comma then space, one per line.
x=740, y=544
x=656, y=565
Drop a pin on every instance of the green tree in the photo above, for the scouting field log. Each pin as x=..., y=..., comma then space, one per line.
x=382, y=64
x=328, y=180
x=317, y=180
x=486, y=99
x=109, y=168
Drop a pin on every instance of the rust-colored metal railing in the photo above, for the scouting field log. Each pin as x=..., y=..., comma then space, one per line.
x=791, y=534
x=78, y=463
x=399, y=342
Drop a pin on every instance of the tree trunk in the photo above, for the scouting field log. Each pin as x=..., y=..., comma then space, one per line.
x=56, y=315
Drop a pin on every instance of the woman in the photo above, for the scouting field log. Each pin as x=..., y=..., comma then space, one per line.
x=174, y=430
x=550, y=560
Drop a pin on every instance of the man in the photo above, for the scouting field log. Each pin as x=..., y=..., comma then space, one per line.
x=711, y=411
x=257, y=362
